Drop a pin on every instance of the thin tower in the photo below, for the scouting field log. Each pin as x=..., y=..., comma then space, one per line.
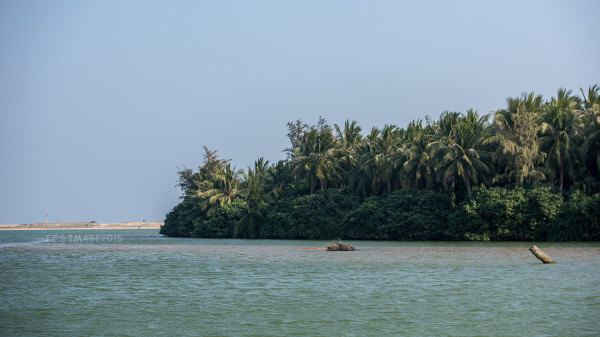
x=46, y=214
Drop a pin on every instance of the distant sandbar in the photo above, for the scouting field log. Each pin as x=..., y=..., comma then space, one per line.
x=82, y=225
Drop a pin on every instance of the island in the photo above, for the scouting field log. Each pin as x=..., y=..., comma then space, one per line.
x=529, y=171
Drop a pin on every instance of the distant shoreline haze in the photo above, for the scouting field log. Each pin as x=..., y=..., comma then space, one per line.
x=529, y=171
x=82, y=225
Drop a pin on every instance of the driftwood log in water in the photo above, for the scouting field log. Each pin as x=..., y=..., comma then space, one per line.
x=340, y=246
x=540, y=255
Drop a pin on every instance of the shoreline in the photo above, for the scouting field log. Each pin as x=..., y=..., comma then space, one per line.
x=81, y=226
x=71, y=228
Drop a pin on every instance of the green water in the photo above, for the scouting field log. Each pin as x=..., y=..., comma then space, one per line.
x=136, y=282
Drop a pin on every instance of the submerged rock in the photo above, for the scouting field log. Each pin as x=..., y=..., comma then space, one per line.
x=340, y=246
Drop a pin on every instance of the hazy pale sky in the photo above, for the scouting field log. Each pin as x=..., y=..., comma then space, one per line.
x=101, y=101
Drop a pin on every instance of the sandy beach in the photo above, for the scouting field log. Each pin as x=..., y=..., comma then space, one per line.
x=81, y=225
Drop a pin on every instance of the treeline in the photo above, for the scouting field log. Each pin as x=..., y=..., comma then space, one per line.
x=529, y=172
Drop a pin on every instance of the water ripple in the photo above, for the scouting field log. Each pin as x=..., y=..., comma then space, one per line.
x=151, y=285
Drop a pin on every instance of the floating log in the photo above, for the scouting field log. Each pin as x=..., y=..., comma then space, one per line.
x=540, y=255
x=340, y=246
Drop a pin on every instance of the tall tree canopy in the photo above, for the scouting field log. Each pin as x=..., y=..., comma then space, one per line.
x=532, y=143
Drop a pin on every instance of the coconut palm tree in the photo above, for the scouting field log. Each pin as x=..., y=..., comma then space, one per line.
x=280, y=177
x=348, y=137
x=590, y=147
x=444, y=127
x=591, y=101
x=363, y=177
x=558, y=136
x=418, y=169
x=460, y=155
x=388, y=156
x=255, y=184
x=223, y=190
x=515, y=137
x=314, y=158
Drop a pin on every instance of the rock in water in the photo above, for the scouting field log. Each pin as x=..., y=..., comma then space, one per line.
x=340, y=246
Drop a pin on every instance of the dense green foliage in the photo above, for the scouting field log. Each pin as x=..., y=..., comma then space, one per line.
x=402, y=215
x=531, y=172
x=578, y=220
x=313, y=216
x=508, y=214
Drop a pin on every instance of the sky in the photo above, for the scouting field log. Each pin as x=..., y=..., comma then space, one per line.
x=102, y=101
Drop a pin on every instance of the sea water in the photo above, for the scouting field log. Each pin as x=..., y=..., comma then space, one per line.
x=136, y=282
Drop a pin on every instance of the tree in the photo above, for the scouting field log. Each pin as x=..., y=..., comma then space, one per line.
x=281, y=178
x=224, y=189
x=296, y=131
x=418, y=169
x=459, y=156
x=186, y=183
x=255, y=184
x=363, y=177
x=191, y=182
x=388, y=156
x=532, y=150
x=314, y=159
x=591, y=101
x=348, y=139
x=558, y=136
x=515, y=137
x=590, y=147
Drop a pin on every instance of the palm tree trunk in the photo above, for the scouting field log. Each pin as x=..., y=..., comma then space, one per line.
x=389, y=185
x=468, y=184
x=322, y=185
x=561, y=178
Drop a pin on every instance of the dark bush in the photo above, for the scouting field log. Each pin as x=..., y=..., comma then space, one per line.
x=578, y=220
x=221, y=223
x=180, y=220
x=402, y=215
x=496, y=213
x=313, y=216
x=491, y=214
